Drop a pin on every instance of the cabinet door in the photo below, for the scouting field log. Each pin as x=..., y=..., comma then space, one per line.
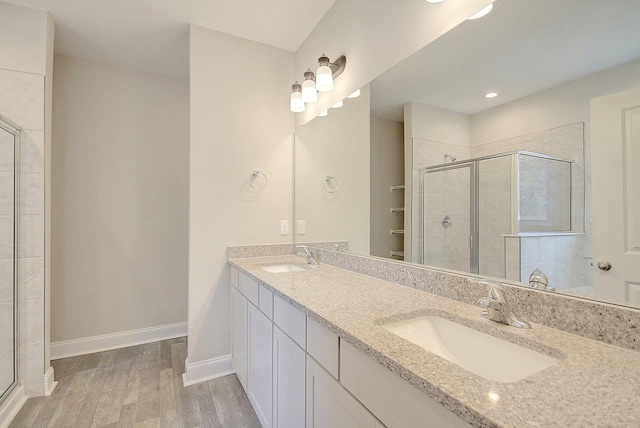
x=239, y=335
x=288, y=382
x=329, y=405
x=260, y=368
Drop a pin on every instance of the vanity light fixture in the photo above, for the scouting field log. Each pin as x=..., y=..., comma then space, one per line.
x=338, y=104
x=354, y=94
x=323, y=113
x=327, y=71
x=309, y=92
x=491, y=95
x=482, y=12
x=321, y=81
x=296, y=104
x=324, y=79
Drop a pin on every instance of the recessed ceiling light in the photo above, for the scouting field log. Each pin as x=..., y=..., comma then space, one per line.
x=482, y=12
x=434, y=1
x=491, y=95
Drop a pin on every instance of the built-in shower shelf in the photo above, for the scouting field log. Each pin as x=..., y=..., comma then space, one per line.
x=397, y=210
x=397, y=254
x=399, y=187
x=397, y=231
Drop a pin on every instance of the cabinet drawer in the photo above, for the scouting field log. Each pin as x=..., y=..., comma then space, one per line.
x=391, y=399
x=323, y=345
x=234, y=276
x=248, y=287
x=329, y=405
x=290, y=320
x=266, y=301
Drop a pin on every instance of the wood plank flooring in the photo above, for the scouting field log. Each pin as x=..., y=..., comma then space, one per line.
x=140, y=386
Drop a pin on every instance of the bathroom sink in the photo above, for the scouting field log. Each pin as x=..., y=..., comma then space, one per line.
x=282, y=268
x=487, y=356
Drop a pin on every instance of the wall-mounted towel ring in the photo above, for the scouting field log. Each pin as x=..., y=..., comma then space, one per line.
x=330, y=184
x=258, y=180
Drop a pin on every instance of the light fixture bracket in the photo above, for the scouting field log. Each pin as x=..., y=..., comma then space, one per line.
x=337, y=67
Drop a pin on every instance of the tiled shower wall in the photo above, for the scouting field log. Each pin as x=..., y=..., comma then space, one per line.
x=566, y=142
x=22, y=103
x=560, y=257
x=495, y=260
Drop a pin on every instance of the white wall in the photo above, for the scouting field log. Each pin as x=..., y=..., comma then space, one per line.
x=26, y=52
x=336, y=145
x=387, y=169
x=552, y=108
x=240, y=121
x=120, y=171
x=24, y=37
x=375, y=35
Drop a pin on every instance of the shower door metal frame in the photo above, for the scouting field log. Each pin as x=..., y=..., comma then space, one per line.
x=474, y=249
x=12, y=129
x=473, y=164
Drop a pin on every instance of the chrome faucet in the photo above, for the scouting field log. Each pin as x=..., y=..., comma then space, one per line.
x=497, y=307
x=308, y=254
x=338, y=246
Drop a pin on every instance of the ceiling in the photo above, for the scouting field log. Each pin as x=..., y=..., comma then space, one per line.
x=152, y=35
x=520, y=48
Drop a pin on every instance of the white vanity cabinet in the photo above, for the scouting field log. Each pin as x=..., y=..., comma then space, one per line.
x=260, y=366
x=239, y=330
x=393, y=400
x=329, y=405
x=288, y=382
x=298, y=373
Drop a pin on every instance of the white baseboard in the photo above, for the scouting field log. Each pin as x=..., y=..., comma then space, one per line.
x=49, y=381
x=206, y=370
x=105, y=342
x=10, y=408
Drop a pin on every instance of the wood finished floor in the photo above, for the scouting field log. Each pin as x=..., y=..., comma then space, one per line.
x=140, y=386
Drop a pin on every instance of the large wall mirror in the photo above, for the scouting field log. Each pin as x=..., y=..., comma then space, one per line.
x=508, y=148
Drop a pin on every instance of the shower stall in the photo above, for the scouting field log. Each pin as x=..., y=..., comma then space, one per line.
x=468, y=208
x=8, y=259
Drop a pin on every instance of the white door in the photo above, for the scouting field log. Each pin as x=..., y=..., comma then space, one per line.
x=260, y=369
x=615, y=148
x=288, y=382
x=239, y=335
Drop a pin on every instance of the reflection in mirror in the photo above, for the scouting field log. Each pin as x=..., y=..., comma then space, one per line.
x=7, y=262
x=536, y=178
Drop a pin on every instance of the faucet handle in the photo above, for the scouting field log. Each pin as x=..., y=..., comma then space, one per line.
x=497, y=292
x=304, y=248
x=483, y=302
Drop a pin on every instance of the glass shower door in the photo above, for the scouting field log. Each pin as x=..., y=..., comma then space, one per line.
x=448, y=217
x=494, y=214
x=8, y=297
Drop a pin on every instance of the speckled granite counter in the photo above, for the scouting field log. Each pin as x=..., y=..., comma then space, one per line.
x=593, y=384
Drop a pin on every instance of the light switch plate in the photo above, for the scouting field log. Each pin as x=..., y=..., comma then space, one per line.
x=284, y=227
x=301, y=227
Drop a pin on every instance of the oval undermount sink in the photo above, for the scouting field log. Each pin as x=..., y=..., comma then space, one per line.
x=487, y=356
x=288, y=267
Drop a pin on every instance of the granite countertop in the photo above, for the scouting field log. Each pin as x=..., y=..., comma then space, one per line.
x=593, y=384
